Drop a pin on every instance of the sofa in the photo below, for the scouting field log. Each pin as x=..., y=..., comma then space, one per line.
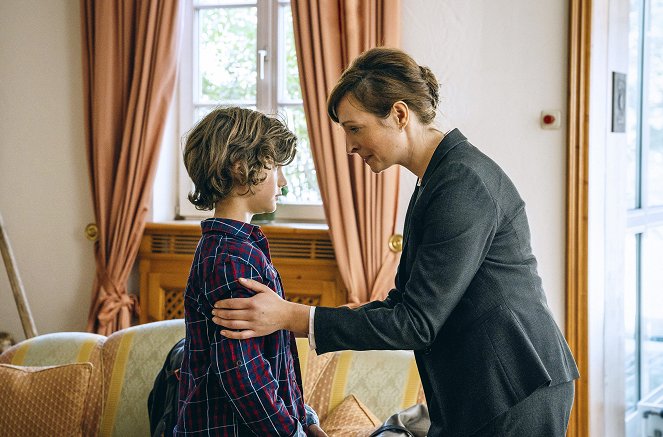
x=99, y=385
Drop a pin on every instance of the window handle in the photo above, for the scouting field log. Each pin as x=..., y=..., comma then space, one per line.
x=263, y=54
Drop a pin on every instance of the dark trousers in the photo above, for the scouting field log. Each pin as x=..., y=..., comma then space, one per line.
x=545, y=413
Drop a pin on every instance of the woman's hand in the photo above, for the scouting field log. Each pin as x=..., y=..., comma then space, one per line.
x=315, y=431
x=258, y=315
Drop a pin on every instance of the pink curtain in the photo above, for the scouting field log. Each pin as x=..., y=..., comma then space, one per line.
x=360, y=206
x=129, y=73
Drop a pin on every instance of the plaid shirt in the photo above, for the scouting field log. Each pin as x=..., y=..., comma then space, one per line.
x=235, y=387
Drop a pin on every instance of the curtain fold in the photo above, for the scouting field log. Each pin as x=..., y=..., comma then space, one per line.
x=129, y=51
x=360, y=207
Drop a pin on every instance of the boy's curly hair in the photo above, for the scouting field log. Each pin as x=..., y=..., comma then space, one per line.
x=231, y=147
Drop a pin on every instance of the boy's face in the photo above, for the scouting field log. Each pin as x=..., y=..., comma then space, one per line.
x=266, y=194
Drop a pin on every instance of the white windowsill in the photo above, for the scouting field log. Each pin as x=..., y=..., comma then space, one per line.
x=276, y=223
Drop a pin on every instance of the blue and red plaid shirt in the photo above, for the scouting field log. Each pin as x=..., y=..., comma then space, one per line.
x=235, y=387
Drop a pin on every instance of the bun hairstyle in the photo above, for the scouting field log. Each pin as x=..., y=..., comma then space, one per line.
x=380, y=77
x=433, y=86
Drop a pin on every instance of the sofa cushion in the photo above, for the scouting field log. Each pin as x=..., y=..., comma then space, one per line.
x=66, y=348
x=350, y=418
x=312, y=366
x=44, y=400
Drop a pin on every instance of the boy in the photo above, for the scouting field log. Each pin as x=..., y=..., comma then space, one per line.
x=237, y=387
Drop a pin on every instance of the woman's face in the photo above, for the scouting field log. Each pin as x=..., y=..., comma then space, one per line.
x=379, y=141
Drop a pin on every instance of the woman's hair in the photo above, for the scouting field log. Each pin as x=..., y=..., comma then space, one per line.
x=232, y=147
x=379, y=77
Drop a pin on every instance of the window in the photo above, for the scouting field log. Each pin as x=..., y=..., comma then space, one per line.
x=242, y=53
x=643, y=298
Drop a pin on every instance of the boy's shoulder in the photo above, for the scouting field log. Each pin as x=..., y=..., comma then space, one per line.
x=221, y=248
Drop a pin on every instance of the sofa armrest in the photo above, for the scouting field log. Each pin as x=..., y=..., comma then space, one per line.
x=54, y=349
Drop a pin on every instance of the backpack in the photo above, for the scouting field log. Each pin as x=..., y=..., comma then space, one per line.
x=162, y=401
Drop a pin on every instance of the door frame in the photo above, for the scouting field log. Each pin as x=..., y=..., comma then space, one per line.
x=576, y=326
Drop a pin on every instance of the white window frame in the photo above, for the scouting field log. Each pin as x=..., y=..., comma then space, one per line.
x=268, y=39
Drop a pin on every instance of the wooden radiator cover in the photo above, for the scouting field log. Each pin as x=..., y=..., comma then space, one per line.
x=303, y=255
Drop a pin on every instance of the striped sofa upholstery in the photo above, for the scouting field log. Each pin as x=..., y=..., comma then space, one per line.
x=126, y=363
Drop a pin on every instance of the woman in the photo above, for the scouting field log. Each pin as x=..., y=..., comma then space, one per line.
x=468, y=299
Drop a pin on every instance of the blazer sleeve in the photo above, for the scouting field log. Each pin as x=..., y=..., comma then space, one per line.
x=388, y=302
x=457, y=228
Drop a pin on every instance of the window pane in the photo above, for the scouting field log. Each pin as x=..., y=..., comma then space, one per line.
x=227, y=54
x=655, y=103
x=301, y=175
x=652, y=310
x=202, y=111
x=223, y=2
x=630, y=315
x=289, y=88
x=633, y=104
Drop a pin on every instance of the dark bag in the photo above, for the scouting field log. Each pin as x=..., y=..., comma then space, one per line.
x=162, y=401
x=388, y=430
x=411, y=422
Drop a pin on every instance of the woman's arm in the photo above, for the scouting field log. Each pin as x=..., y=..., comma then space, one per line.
x=262, y=315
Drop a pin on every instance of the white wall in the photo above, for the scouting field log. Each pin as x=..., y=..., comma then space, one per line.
x=500, y=63
x=44, y=195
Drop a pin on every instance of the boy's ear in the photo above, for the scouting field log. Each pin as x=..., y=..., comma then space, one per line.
x=239, y=189
x=235, y=170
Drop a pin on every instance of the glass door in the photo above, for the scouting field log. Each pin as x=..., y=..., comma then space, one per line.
x=643, y=299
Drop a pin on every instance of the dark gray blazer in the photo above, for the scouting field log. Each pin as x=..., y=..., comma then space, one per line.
x=468, y=299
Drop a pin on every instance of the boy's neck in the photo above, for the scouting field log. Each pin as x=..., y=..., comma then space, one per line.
x=232, y=209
